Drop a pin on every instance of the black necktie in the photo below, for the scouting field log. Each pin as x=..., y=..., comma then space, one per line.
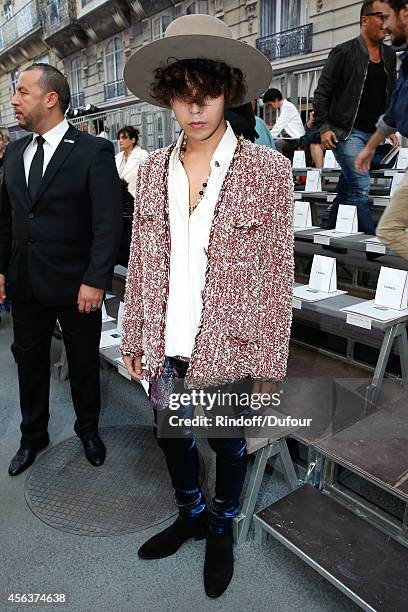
x=36, y=169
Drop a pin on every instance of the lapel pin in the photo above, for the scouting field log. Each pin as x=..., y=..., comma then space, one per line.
x=70, y=141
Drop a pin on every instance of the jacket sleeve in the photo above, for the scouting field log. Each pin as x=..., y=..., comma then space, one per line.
x=5, y=229
x=394, y=221
x=325, y=89
x=277, y=275
x=105, y=199
x=133, y=316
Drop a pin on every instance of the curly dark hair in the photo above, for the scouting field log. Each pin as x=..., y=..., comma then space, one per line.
x=195, y=80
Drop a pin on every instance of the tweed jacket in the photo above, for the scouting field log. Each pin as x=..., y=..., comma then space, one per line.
x=247, y=297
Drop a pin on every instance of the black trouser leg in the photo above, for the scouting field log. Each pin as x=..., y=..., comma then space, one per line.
x=81, y=333
x=33, y=325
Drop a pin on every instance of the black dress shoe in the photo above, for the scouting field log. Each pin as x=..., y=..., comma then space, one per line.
x=95, y=450
x=219, y=562
x=168, y=541
x=23, y=459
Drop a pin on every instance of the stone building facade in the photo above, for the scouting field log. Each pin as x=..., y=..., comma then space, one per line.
x=90, y=40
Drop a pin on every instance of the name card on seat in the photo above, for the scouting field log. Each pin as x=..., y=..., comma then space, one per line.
x=396, y=180
x=323, y=276
x=113, y=337
x=105, y=317
x=121, y=312
x=392, y=289
x=313, y=181
x=402, y=161
x=299, y=160
x=330, y=162
x=347, y=220
x=302, y=215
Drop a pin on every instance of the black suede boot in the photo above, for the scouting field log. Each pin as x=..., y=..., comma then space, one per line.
x=168, y=541
x=219, y=562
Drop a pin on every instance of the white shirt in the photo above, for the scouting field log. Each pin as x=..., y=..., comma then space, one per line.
x=189, y=243
x=288, y=120
x=52, y=140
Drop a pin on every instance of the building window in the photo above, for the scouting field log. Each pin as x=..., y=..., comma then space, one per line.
x=115, y=86
x=218, y=7
x=14, y=78
x=198, y=6
x=279, y=16
x=290, y=14
x=8, y=11
x=75, y=75
x=114, y=60
x=54, y=11
x=146, y=30
x=77, y=95
x=160, y=25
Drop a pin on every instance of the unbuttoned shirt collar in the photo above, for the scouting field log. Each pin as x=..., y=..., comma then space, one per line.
x=224, y=152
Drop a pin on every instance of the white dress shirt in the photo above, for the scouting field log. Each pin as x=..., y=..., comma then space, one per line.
x=288, y=120
x=189, y=243
x=52, y=140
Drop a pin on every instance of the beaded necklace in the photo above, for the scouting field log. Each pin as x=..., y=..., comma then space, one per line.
x=192, y=206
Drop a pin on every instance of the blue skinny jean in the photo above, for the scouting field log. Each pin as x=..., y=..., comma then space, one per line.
x=182, y=456
x=353, y=187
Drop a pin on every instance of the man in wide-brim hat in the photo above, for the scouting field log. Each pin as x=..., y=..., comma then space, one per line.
x=209, y=289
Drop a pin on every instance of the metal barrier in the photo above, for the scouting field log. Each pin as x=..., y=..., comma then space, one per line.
x=156, y=126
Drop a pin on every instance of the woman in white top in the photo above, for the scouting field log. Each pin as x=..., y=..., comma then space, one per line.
x=130, y=156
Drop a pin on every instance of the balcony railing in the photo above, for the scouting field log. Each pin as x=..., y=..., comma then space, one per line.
x=77, y=100
x=115, y=89
x=56, y=14
x=26, y=20
x=285, y=44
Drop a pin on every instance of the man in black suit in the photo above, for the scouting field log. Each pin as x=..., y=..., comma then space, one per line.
x=60, y=228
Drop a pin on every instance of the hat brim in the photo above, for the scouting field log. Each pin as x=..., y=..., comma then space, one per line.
x=139, y=69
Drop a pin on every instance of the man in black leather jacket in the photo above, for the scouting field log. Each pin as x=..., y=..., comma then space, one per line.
x=353, y=91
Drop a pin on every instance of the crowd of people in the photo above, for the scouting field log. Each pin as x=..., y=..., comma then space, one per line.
x=208, y=300
x=357, y=105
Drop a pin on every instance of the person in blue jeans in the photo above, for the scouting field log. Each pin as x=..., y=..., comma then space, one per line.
x=353, y=91
x=353, y=187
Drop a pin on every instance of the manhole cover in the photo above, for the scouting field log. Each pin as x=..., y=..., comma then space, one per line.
x=130, y=492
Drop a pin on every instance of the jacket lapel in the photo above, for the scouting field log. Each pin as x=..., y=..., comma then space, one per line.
x=64, y=148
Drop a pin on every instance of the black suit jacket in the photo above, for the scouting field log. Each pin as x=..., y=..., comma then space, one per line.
x=71, y=233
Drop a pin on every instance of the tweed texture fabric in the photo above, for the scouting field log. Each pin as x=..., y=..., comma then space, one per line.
x=247, y=297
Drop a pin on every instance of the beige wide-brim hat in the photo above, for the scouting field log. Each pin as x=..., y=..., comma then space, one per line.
x=197, y=37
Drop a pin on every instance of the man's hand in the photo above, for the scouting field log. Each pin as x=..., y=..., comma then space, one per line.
x=363, y=159
x=89, y=299
x=2, y=288
x=328, y=140
x=134, y=367
x=310, y=121
x=394, y=139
